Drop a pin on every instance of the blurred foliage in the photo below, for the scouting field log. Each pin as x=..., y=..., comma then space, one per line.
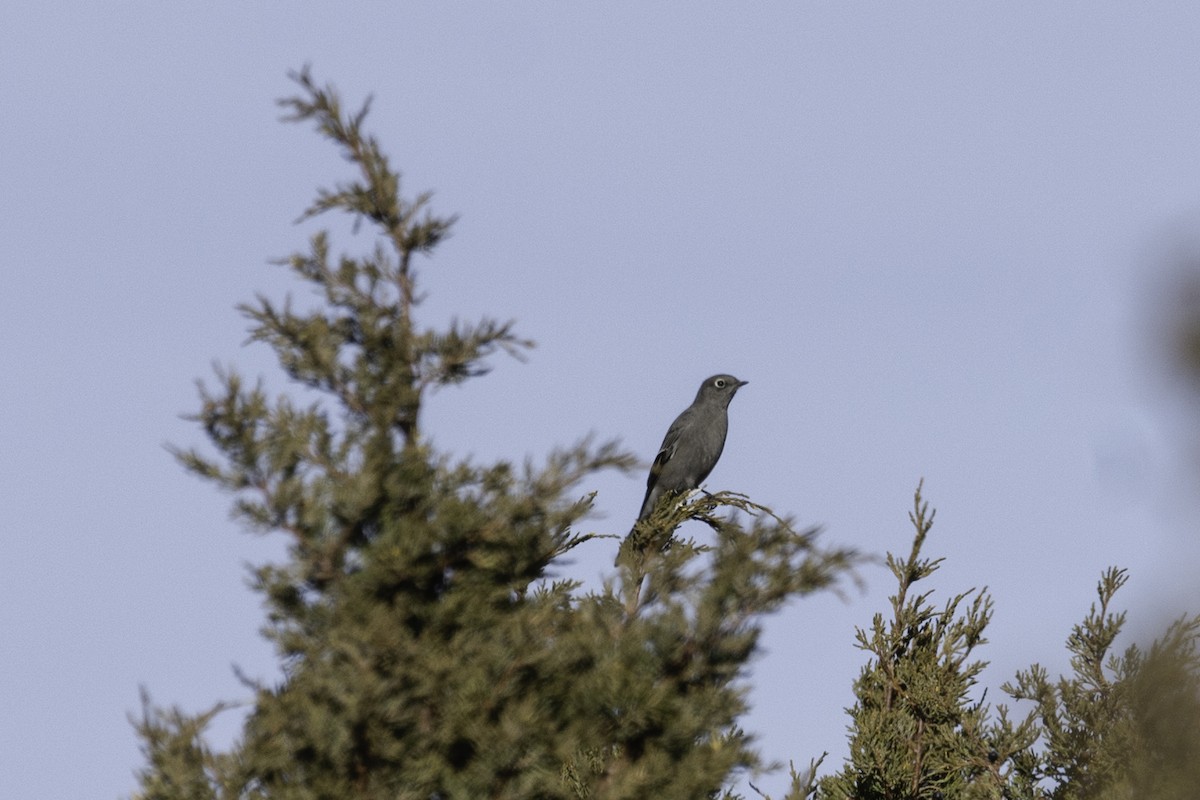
x=1183, y=317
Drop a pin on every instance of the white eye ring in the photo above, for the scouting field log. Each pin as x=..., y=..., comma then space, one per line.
x=719, y=383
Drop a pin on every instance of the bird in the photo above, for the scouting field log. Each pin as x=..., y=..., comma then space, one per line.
x=693, y=443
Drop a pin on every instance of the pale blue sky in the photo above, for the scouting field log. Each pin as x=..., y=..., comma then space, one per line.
x=924, y=232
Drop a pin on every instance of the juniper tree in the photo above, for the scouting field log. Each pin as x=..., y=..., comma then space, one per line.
x=426, y=651
x=1122, y=725
x=915, y=730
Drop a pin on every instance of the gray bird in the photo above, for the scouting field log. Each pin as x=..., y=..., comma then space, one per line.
x=693, y=442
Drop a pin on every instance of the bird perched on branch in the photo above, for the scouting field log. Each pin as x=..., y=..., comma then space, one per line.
x=693, y=443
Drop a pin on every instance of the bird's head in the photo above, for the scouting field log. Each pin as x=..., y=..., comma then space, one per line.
x=719, y=389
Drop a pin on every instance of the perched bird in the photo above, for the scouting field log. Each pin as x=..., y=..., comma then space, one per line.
x=693, y=442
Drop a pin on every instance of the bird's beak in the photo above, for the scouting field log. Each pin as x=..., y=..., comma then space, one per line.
x=742, y=383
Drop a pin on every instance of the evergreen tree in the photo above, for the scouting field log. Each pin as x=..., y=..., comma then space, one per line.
x=426, y=652
x=1121, y=726
x=915, y=731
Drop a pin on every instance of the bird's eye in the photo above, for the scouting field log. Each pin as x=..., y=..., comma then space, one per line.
x=719, y=383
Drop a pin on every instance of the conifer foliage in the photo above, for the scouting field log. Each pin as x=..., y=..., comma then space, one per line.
x=916, y=730
x=1123, y=724
x=1120, y=727
x=426, y=650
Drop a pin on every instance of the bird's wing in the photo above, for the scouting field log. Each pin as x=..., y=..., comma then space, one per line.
x=667, y=449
